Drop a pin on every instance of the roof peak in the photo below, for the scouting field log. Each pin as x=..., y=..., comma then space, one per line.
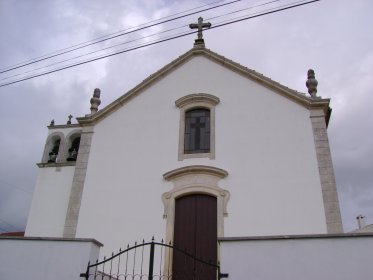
x=293, y=95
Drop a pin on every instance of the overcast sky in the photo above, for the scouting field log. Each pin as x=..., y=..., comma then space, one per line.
x=333, y=37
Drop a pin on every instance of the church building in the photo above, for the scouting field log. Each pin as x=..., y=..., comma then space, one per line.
x=203, y=149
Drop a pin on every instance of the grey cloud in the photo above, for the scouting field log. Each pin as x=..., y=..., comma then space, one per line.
x=329, y=36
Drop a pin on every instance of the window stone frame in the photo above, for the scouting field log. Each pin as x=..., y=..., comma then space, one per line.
x=194, y=101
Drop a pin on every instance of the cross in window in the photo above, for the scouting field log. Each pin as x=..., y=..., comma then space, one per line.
x=198, y=126
x=197, y=131
x=200, y=25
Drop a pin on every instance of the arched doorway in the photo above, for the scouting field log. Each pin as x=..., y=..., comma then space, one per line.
x=195, y=231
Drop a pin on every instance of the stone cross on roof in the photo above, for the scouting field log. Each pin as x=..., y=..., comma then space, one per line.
x=200, y=25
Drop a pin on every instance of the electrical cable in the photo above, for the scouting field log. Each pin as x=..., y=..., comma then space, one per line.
x=101, y=37
x=161, y=41
x=134, y=40
x=9, y=225
x=116, y=36
x=3, y=230
x=10, y=186
x=243, y=9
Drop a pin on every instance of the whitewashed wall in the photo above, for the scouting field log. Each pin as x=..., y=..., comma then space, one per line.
x=340, y=257
x=52, y=190
x=50, y=200
x=37, y=258
x=263, y=140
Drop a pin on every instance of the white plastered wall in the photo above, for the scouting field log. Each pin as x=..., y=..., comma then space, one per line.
x=307, y=258
x=52, y=190
x=263, y=140
x=49, y=204
x=45, y=258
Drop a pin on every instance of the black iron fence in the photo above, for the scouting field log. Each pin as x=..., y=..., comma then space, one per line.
x=152, y=260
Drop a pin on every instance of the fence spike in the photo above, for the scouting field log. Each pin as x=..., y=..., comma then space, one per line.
x=120, y=250
x=162, y=241
x=153, y=238
x=103, y=268
x=111, y=263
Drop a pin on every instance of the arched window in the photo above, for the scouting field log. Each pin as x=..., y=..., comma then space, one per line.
x=54, y=150
x=197, y=125
x=74, y=148
x=197, y=131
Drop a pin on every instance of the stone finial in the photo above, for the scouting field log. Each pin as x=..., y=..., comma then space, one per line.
x=69, y=121
x=311, y=83
x=95, y=100
x=52, y=123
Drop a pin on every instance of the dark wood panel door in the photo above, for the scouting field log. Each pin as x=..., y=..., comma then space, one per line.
x=195, y=231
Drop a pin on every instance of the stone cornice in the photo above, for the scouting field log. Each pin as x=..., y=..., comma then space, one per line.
x=59, y=239
x=301, y=236
x=195, y=169
x=197, y=97
x=59, y=126
x=56, y=164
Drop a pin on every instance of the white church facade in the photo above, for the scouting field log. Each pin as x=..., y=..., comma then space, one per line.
x=202, y=124
x=230, y=169
x=203, y=151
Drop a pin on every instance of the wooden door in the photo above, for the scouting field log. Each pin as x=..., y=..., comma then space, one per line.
x=195, y=231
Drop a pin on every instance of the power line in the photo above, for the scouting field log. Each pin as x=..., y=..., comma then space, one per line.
x=89, y=53
x=10, y=225
x=101, y=37
x=116, y=36
x=243, y=9
x=98, y=38
x=134, y=40
x=161, y=41
x=4, y=230
x=10, y=186
x=300, y=3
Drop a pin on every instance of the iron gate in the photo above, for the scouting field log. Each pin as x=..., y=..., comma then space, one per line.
x=150, y=260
